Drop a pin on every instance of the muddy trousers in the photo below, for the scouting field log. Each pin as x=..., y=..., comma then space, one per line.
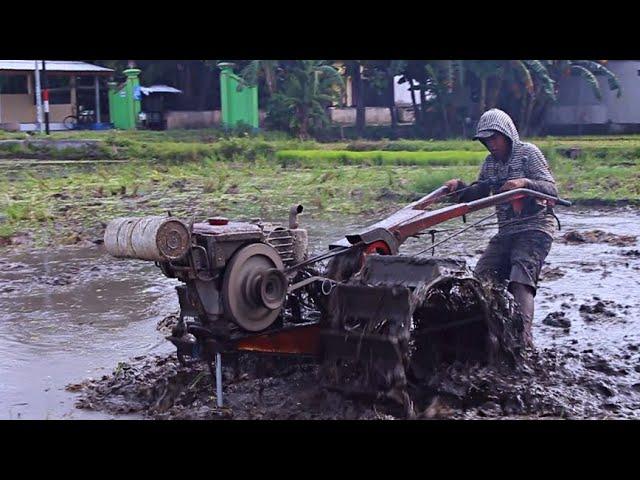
x=517, y=258
x=524, y=295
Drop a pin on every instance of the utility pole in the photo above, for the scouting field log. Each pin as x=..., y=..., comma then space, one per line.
x=45, y=96
x=39, y=99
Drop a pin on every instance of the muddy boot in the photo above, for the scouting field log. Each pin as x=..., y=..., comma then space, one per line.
x=524, y=296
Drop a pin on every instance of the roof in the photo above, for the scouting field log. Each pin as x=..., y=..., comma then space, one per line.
x=159, y=89
x=53, y=66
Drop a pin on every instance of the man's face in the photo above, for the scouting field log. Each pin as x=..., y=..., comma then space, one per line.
x=498, y=144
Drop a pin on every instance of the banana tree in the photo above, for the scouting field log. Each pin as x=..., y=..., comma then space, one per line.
x=484, y=71
x=265, y=68
x=528, y=82
x=308, y=88
x=589, y=70
x=513, y=85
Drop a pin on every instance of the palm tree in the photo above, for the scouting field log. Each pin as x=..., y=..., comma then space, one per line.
x=440, y=89
x=436, y=82
x=525, y=88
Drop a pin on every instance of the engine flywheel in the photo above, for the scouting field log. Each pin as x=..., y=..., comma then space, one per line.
x=254, y=287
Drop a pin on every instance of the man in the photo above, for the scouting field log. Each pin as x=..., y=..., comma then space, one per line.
x=516, y=253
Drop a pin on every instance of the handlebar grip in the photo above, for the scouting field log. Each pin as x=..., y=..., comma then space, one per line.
x=564, y=203
x=533, y=193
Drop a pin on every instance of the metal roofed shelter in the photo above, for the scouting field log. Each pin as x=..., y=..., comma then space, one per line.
x=66, y=80
x=153, y=105
x=159, y=89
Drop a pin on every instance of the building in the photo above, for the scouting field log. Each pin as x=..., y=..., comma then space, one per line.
x=578, y=111
x=377, y=104
x=71, y=85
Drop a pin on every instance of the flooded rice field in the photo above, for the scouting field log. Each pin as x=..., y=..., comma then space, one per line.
x=70, y=314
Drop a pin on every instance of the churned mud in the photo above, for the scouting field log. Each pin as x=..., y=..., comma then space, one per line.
x=561, y=383
x=598, y=236
x=273, y=388
x=81, y=336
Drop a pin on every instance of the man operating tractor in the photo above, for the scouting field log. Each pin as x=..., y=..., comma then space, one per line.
x=525, y=230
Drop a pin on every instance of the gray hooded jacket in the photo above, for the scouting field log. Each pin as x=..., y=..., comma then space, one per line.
x=525, y=161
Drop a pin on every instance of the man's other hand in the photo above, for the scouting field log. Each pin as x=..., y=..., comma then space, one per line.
x=513, y=184
x=452, y=184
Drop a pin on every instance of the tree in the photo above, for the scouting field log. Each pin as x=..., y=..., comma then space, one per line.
x=354, y=69
x=524, y=88
x=523, y=83
x=268, y=69
x=381, y=76
x=485, y=71
x=297, y=92
x=589, y=70
x=444, y=78
x=437, y=83
x=307, y=89
x=415, y=74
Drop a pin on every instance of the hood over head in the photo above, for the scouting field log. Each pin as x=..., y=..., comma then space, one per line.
x=496, y=120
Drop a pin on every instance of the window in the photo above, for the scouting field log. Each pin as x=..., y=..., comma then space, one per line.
x=13, y=84
x=59, y=89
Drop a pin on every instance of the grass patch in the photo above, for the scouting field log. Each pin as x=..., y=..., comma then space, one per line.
x=308, y=158
x=428, y=181
x=7, y=230
x=195, y=173
x=195, y=145
x=18, y=211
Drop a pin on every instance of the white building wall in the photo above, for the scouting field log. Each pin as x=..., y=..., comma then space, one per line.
x=626, y=109
x=577, y=104
x=402, y=94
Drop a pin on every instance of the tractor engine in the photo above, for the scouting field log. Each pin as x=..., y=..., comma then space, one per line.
x=233, y=273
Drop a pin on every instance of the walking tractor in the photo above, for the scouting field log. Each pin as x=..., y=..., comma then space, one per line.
x=373, y=318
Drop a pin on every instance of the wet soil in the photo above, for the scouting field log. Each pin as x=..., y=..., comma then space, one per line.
x=274, y=388
x=546, y=384
x=79, y=327
x=598, y=236
x=557, y=319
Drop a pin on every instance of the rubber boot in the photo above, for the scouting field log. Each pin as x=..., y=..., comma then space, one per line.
x=524, y=296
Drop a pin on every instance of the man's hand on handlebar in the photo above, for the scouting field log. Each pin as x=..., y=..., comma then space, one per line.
x=453, y=184
x=513, y=184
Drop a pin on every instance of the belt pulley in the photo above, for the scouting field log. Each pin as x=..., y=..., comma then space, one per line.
x=254, y=287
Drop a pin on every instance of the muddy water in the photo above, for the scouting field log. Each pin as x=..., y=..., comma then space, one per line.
x=69, y=314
